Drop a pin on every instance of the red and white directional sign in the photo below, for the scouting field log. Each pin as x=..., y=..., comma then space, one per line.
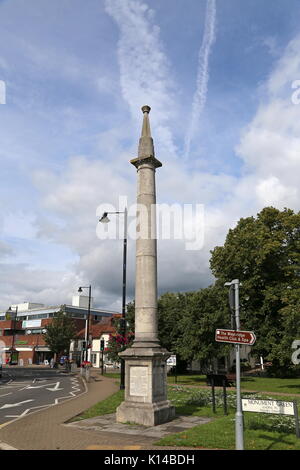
x=235, y=337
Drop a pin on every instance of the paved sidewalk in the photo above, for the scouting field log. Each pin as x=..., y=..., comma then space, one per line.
x=47, y=429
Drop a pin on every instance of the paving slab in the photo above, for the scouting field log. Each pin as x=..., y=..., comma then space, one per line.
x=107, y=423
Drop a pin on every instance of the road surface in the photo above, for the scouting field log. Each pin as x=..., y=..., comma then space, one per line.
x=20, y=396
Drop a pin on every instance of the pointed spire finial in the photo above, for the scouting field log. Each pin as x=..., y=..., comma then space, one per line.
x=146, y=147
x=146, y=132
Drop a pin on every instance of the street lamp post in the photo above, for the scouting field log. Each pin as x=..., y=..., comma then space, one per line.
x=14, y=316
x=87, y=324
x=104, y=219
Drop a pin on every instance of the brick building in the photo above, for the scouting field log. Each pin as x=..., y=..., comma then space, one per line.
x=22, y=335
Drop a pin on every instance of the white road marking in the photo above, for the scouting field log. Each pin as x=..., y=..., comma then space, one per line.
x=14, y=385
x=75, y=386
x=6, y=394
x=35, y=387
x=18, y=416
x=11, y=405
x=55, y=389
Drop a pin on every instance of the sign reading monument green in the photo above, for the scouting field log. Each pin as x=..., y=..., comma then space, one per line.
x=268, y=406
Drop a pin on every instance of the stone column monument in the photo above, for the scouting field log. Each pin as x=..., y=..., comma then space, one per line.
x=145, y=362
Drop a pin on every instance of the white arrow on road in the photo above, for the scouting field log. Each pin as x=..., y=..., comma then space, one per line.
x=30, y=386
x=35, y=387
x=18, y=416
x=54, y=389
x=11, y=405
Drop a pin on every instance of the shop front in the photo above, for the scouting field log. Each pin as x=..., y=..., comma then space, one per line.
x=42, y=354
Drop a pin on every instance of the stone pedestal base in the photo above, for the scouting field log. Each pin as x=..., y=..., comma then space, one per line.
x=145, y=414
x=145, y=388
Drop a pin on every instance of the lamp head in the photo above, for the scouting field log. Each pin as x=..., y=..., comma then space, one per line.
x=80, y=289
x=104, y=219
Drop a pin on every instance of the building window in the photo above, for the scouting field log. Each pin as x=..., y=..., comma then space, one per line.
x=37, y=317
x=97, y=317
x=8, y=333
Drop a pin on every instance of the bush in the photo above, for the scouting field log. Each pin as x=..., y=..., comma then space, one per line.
x=266, y=422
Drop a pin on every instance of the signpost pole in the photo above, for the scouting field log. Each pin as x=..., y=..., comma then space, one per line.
x=213, y=394
x=239, y=427
x=225, y=398
x=102, y=346
x=296, y=419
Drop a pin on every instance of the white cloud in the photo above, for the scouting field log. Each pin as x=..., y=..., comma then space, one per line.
x=145, y=72
x=272, y=193
x=270, y=145
x=70, y=194
x=287, y=69
x=5, y=250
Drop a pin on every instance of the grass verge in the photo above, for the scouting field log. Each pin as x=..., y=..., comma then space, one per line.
x=104, y=407
x=220, y=434
x=261, y=432
x=258, y=384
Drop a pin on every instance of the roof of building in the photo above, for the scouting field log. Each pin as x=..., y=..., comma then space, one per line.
x=97, y=330
x=68, y=308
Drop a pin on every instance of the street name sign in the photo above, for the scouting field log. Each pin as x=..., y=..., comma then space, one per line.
x=235, y=337
x=269, y=406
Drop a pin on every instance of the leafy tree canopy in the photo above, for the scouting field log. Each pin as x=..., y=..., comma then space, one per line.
x=264, y=254
x=59, y=333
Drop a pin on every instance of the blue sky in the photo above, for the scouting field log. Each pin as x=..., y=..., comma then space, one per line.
x=218, y=74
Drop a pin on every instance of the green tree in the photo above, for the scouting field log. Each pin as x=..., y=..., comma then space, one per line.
x=59, y=333
x=206, y=311
x=172, y=307
x=264, y=254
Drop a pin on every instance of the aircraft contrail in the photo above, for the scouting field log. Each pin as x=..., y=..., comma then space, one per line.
x=199, y=98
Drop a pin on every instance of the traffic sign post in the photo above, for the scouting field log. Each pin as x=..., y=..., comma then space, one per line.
x=235, y=337
x=238, y=338
x=239, y=425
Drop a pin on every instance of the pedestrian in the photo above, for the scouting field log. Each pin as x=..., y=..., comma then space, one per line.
x=51, y=362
